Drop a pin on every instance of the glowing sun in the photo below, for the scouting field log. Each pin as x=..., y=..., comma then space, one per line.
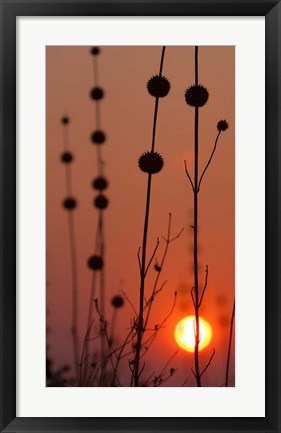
x=184, y=333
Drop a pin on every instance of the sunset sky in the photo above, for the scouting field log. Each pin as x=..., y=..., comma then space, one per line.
x=127, y=117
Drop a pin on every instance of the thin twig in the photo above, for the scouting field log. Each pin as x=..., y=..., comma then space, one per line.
x=205, y=285
x=153, y=255
x=209, y=162
x=229, y=344
x=130, y=302
x=139, y=261
x=209, y=362
x=188, y=175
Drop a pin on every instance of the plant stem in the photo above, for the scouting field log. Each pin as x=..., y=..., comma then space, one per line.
x=98, y=277
x=195, y=233
x=73, y=259
x=143, y=266
x=229, y=345
x=140, y=322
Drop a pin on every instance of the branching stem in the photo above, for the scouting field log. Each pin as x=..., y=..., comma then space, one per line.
x=140, y=330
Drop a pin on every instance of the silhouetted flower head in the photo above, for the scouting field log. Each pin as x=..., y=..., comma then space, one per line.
x=196, y=96
x=65, y=120
x=151, y=162
x=222, y=125
x=101, y=202
x=95, y=51
x=117, y=301
x=158, y=86
x=97, y=93
x=66, y=157
x=100, y=183
x=95, y=263
x=98, y=137
x=69, y=203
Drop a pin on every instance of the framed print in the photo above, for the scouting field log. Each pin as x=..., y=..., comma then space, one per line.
x=140, y=216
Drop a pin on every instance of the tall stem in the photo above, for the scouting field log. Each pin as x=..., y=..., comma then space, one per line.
x=143, y=266
x=98, y=277
x=229, y=345
x=140, y=322
x=73, y=260
x=195, y=232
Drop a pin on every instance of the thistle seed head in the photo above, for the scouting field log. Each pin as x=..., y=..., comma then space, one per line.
x=97, y=93
x=101, y=202
x=151, y=162
x=158, y=86
x=222, y=125
x=95, y=263
x=196, y=96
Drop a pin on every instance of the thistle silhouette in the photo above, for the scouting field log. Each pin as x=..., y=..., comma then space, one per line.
x=151, y=163
x=96, y=262
x=69, y=204
x=197, y=96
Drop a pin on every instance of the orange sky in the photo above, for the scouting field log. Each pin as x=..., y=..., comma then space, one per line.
x=126, y=117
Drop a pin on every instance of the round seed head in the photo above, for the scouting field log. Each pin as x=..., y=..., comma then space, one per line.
x=69, y=203
x=98, y=137
x=100, y=183
x=196, y=96
x=66, y=157
x=95, y=263
x=151, y=162
x=158, y=86
x=222, y=125
x=97, y=93
x=95, y=51
x=65, y=120
x=101, y=202
x=117, y=301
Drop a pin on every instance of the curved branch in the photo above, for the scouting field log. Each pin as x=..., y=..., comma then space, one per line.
x=205, y=285
x=188, y=175
x=154, y=252
x=209, y=362
x=209, y=162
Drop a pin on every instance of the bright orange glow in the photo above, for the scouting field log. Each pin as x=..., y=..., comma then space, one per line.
x=184, y=333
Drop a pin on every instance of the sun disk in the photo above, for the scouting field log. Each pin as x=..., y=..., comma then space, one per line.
x=185, y=333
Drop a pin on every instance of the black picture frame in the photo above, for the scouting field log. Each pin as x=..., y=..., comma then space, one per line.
x=10, y=9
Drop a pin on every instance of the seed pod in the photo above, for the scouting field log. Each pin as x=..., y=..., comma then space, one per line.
x=97, y=93
x=69, y=203
x=222, y=125
x=196, y=96
x=117, y=301
x=95, y=51
x=66, y=157
x=100, y=183
x=98, y=137
x=65, y=120
x=151, y=162
x=101, y=202
x=158, y=86
x=95, y=263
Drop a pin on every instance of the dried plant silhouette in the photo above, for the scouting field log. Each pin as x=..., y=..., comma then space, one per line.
x=115, y=348
x=70, y=205
x=97, y=262
x=197, y=96
x=150, y=163
x=229, y=345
